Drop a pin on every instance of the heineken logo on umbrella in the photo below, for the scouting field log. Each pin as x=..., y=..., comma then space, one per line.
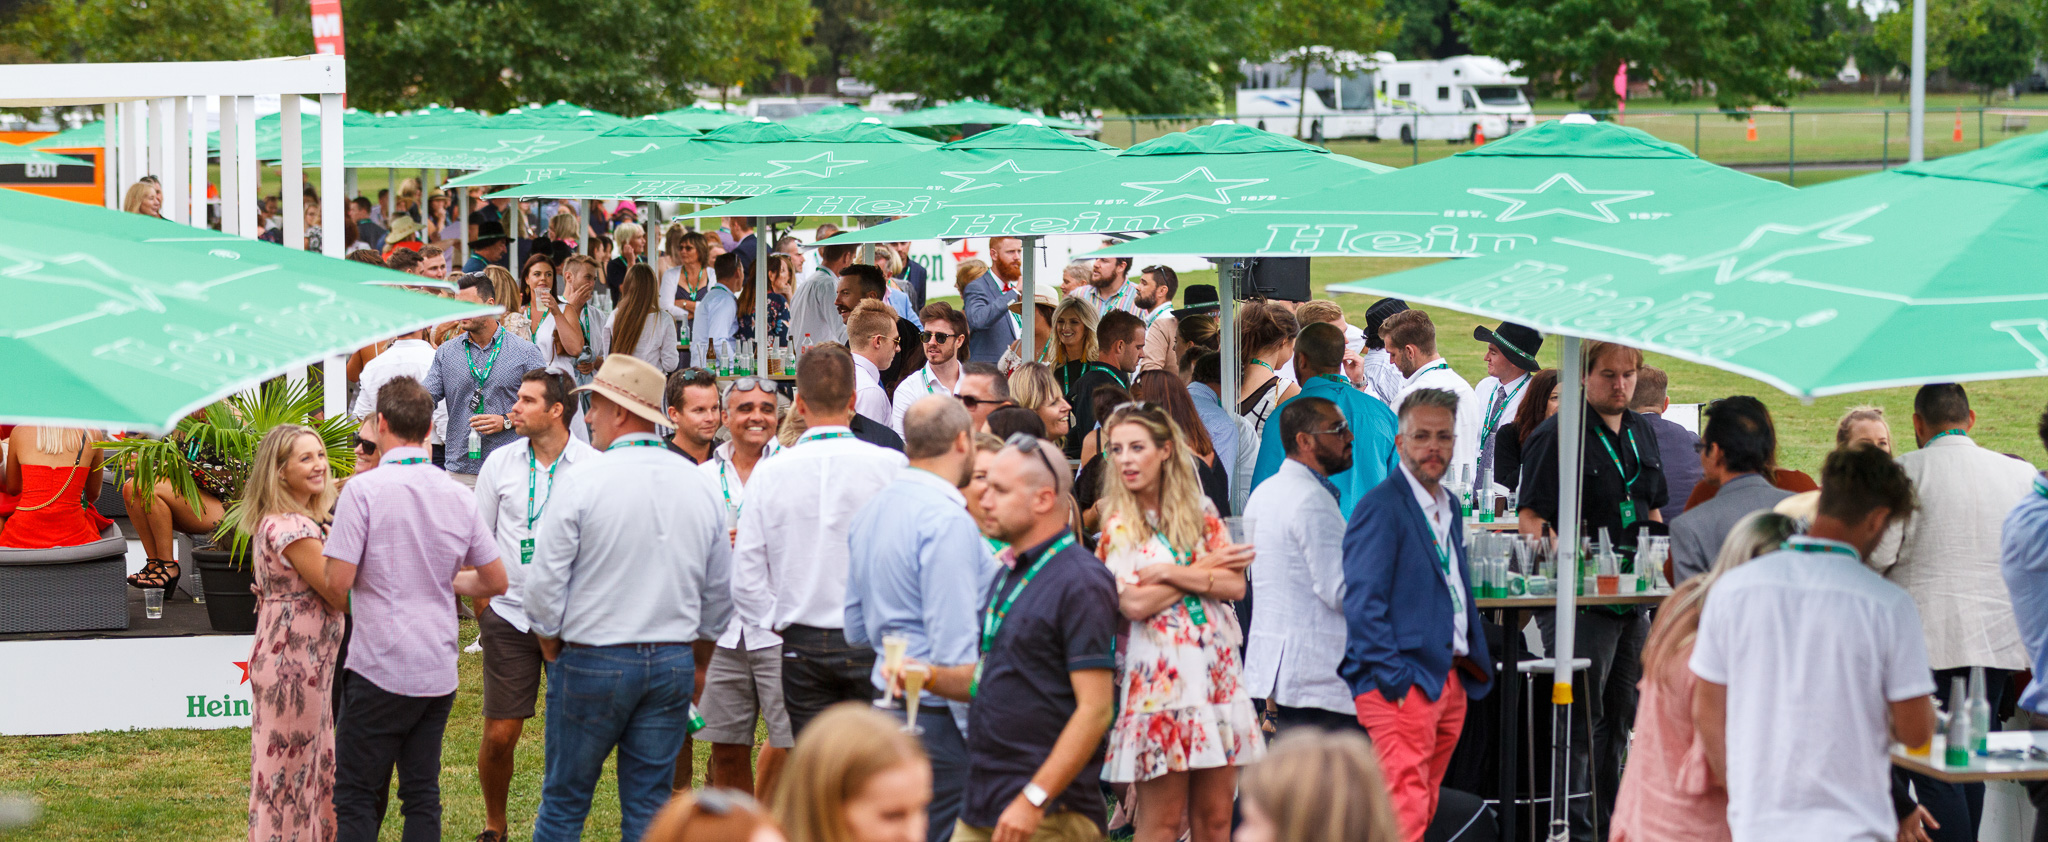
x=1541, y=292
x=820, y=165
x=108, y=290
x=628, y=153
x=1770, y=243
x=1446, y=240
x=1560, y=194
x=1198, y=184
x=971, y=180
x=522, y=147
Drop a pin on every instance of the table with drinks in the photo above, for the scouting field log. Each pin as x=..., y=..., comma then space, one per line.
x=2003, y=756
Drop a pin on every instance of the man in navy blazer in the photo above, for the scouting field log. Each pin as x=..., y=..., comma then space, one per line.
x=1414, y=651
x=987, y=299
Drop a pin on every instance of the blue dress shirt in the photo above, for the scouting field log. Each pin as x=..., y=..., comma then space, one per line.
x=2024, y=561
x=1373, y=427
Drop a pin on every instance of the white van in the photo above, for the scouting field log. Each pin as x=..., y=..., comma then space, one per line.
x=1379, y=98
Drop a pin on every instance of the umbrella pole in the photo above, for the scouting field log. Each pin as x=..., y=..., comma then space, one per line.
x=1026, y=343
x=1916, y=116
x=583, y=219
x=1571, y=438
x=761, y=325
x=1226, y=324
x=462, y=208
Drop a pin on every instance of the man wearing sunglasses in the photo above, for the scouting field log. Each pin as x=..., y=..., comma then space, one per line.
x=1319, y=360
x=983, y=389
x=944, y=335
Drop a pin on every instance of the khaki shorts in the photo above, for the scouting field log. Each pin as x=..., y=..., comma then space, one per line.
x=512, y=667
x=467, y=480
x=740, y=684
x=1064, y=826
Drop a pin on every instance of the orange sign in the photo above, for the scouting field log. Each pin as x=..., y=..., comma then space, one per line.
x=83, y=182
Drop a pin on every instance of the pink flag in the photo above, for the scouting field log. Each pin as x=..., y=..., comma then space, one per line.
x=1621, y=89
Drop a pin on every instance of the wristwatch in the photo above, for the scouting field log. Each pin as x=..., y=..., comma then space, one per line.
x=1036, y=795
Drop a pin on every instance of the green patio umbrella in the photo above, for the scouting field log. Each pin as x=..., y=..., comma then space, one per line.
x=749, y=170
x=126, y=322
x=701, y=118
x=945, y=120
x=432, y=116
x=92, y=135
x=565, y=108
x=929, y=180
x=828, y=118
x=1557, y=178
x=641, y=136
x=583, y=122
x=1173, y=181
x=717, y=141
x=453, y=149
x=1927, y=273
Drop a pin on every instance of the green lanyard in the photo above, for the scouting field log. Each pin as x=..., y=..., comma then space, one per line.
x=1335, y=379
x=1194, y=603
x=1259, y=362
x=1494, y=413
x=725, y=489
x=1818, y=547
x=2041, y=486
x=1118, y=376
x=533, y=512
x=1944, y=434
x=629, y=443
x=414, y=460
x=1164, y=310
x=483, y=375
x=992, y=619
x=1439, y=364
x=1443, y=563
x=837, y=434
x=1628, y=500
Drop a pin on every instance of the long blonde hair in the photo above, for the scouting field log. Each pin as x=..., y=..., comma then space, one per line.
x=511, y=294
x=564, y=227
x=1090, y=350
x=1322, y=786
x=840, y=751
x=137, y=194
x=1678, y=622
x=1034, y=387
x=1182, y=520
x=636, y=303
x=264, y=494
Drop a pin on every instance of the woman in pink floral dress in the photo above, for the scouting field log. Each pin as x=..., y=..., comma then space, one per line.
x=298, y=636
x=1184, y=722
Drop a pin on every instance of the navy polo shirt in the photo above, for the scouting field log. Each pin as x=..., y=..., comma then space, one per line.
x=1064, y=621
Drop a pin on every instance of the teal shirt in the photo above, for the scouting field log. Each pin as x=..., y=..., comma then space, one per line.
x=1373, y=427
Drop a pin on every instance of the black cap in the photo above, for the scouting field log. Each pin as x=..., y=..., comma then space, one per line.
x=1376, y=315
x=1199, y=298
x=1519, y=342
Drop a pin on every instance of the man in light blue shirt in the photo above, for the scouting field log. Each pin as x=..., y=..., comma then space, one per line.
x=718, y=311
x=1319, y=361
x=916, y=568
x=2024, y=561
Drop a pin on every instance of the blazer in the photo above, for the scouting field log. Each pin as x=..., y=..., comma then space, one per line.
x=989, y=329
x=1390, y=560
x=1682, y=468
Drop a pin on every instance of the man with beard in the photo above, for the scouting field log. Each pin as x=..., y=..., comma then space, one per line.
x=1156, y=288
x=990, y=324
x=1297, y=635
x=1319, y=359
x=1109, y=288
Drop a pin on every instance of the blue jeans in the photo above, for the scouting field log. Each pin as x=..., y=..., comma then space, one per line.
x=634, y=697
x=947, y=749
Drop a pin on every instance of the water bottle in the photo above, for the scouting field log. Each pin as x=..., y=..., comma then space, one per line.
x=1959, y=728
x=1980, y=713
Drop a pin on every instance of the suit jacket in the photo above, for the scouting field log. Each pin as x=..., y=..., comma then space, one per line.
x=1697, y=535
x=1681, y=463
x=989, y=329
x=1390, y=560
x=917, y=279
x=874, y=432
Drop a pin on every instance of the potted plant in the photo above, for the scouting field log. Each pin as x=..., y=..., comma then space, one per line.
x=232, y=428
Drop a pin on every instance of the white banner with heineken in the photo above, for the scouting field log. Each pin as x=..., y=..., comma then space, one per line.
x=119, y=684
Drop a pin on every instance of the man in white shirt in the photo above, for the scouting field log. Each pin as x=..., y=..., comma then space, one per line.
x=871, y=336
x=408, y=356
x=812, y=310
x=1510, y=358
x=1298, y=634
x=1156, y=288
x=744, y=680
x=944, y=335
x=790, y=565
x=1801, y=733
x=1411, y=344
x=1380, y=377
x=718, y=311
x=1109, y=287
x=512, y=492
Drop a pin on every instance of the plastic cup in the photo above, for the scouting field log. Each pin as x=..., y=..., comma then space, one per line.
x=894, y=649
x=153, y=603
x=1240, y=529
x=1609, y=584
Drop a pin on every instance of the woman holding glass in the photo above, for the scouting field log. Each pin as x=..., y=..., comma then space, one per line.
x=1184, y=722
x=298, y=637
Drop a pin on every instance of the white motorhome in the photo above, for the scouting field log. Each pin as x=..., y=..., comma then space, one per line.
x=1379, y=98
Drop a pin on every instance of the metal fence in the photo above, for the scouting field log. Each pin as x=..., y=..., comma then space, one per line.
x=1764, y=141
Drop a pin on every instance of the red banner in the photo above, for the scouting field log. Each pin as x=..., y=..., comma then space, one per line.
x=327, y=27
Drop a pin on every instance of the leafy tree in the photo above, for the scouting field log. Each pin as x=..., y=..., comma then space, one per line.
x=753, y=39
x=1305, y=33
x=1997, y=51
x=124, y=30
x=1741, y=51
x=1947, y=23
x=837, y=36
x=1135, y=56
x=1427, y=29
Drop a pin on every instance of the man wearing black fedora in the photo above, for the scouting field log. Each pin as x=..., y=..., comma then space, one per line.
x=488, y=248
x=1510, y=358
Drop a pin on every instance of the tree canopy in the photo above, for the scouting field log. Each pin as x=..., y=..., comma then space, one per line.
x=123, y=30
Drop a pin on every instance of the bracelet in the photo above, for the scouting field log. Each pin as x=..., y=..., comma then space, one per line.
x=1211, y=587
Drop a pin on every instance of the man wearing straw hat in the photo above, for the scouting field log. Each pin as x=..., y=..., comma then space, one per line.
x=642, y=533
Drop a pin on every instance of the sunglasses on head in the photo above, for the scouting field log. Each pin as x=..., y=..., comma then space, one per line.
x=1028, y=443
x=754, y=384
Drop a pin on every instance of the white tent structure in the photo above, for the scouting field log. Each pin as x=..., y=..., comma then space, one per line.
x=160, y=116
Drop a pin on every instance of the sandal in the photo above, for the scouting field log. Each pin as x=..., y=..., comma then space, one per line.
x=157, y=573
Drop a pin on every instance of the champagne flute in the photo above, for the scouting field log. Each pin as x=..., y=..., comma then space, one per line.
x=913, y=687
x=894, y=648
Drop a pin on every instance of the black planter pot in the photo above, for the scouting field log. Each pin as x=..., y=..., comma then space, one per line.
x=230, y=604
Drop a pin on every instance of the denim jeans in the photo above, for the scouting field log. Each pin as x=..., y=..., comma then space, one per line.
x=947, y=748
x=634, y=697
x=381, y=731
x=819, y=670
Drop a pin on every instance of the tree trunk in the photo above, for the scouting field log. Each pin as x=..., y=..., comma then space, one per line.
x=1301, y=106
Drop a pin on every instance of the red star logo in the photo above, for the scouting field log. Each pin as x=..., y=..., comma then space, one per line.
x=245, y=670
x=966, y=252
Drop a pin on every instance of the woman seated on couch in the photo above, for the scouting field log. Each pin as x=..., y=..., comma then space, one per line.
x=50, y=473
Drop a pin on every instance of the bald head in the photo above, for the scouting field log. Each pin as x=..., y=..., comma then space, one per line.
x=933, y=425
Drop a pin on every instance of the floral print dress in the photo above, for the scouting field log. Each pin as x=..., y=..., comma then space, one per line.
x=1181, y=700
x=291, y=672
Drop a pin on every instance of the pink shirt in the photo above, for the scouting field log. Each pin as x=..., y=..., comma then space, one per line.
x=1667, y=791
x=408, y=529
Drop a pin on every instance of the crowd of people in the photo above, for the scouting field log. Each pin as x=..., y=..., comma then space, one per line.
x=1110, y=599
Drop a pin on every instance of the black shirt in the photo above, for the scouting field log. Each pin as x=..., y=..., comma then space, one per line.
x=670, y=443
x=1602, y=492
x=909, y=355
x=1507, y=456
x=1081, y=398
x=1064, y=621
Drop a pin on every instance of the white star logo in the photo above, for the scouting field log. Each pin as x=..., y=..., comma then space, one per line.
x=820, y=165
x=1577, y=201
x=628, y=153
x=119, y=291
x=971, y=180
x=524, y=148
x=1773, y=242
x=1209, y=189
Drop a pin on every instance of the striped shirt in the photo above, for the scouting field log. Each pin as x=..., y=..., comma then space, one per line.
x=450, y=380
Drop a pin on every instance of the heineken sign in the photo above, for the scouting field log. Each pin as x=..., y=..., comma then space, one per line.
x=92, y=685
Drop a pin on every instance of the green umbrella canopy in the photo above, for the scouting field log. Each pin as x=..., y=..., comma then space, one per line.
x=1927, y=273
x=431, y=117
x=752, y=169
x=1172, y=181
x=126, y=322
x=12, y=157
x=829, y=118
x=597, y=177
x=92, y=135
x=930, y=180
x=701, y=118
x=454, y=149
x=537, y=119
x=972, y=112
x=638, y=137
x=1557, y=178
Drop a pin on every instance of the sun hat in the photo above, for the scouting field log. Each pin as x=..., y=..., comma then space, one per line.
x=632, y=383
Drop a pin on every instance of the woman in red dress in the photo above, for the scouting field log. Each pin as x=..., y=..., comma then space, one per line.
x=51, y=472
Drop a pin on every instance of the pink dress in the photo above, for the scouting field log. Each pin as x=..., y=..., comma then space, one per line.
x=1181, y=700
x=291, y=671
x=1667, y=791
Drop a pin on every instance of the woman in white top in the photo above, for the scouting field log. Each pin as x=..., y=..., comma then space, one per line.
x=639, y=327
x=685, y=270
x=1268, y=335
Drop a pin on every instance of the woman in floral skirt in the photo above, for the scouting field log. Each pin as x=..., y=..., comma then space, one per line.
x=298, y=636
x=1184, y=723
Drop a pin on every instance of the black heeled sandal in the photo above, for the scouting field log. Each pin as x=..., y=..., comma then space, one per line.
x=157, y=573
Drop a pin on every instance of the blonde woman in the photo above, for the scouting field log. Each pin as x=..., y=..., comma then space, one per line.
x=1184, y=719
x=854, y=776
x=1864, y=425
x=1073, y=343
x=50, y=473
x=641, y=328
x=1317, y=786
x=283, y=510
x=563, y=228
x=144, y=197
x=632, y=246
x=713, y=815
x=1033, y=387
x=1667, y=792
x=508, y=292
x=685, y=271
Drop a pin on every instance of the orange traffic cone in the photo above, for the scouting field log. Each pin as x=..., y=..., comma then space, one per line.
x=1958, y=136
x=1478, y=135
x=1752, y=129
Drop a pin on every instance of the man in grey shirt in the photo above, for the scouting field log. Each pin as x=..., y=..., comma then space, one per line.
x=1738, y=447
